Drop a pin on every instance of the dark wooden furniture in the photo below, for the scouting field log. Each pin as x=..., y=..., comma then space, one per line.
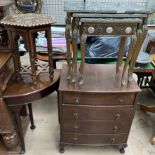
x=99, y=11
x=34, y=81
x=100, y=112
x=23, y=92
x=113, y=27
x=7, y=128
x=4, y=10
x=27, y=26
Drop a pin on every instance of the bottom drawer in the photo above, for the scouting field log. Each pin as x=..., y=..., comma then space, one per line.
x=108, y=139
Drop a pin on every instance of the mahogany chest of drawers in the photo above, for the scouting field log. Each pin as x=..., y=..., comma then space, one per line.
x=6, y=72
x=98, y=113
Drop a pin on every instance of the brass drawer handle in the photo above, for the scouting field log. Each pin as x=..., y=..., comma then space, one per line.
x=117, y=116
x=113, y=140
x=121, y=100
x=115, y=129
x=76, y=128
x=76, y=115
x=75, y=139
x=77, y=100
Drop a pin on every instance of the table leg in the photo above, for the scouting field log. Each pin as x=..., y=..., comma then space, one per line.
x=82, y=66
x=130, y=52
x=31, y=116
x=50, y=58
x=75, y=49
x=13, y=42
x=140, y=39
x=120, y=53
x=31, y=49
x=68, y=43
x=16, y=111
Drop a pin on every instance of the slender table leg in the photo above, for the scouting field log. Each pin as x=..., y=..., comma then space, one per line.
x=75, y=49
x=82, y=66
x=50, y=58
x=16, y=111
x=68, y=43
x=31, y=49
x=130, y=52
x=31, y=116
x=140, y=39
x=120, y=53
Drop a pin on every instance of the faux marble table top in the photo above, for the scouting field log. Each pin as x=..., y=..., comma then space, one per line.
x=107, y=7
x=27, y=20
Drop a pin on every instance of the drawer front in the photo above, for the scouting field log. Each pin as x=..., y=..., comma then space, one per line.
x=95, y=139
x=110, y=29
x=72, y=113
x=97, y=127
x=98, y=99
x=6, y=72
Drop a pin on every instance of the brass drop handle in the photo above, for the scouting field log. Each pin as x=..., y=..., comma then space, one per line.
x=76, y=115
x=75, y=139
x=115, y=129
x=121, y=100
x=117, y=116
x=113, y=140
x=77, y=100
x=76, y=128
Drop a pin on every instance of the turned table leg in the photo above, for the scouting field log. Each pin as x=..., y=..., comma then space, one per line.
x=75, y=49
x=130, y=52
x=82, y=66
x=121, y=53
x=68, y=43
x=141, y=34
x=50, y=56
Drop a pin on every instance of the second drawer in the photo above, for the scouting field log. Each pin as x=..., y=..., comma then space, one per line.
x=84, y=113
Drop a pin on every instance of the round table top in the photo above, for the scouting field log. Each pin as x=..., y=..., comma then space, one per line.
x=27, y=20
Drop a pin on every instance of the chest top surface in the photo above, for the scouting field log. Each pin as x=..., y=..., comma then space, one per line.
x=99, y=78
x=109, y=7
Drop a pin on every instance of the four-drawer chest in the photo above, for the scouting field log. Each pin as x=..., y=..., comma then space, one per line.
x=98, y=113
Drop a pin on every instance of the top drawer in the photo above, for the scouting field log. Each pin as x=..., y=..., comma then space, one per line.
x=98, y=99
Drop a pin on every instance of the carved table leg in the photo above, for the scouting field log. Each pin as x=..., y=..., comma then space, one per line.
x=68, y=42
x=50, y=59
x=120, y=53
x=131, y=50
x=82, y=66
x=31, y=49
x=14, y=48
x=140, y=39
x=75, y=49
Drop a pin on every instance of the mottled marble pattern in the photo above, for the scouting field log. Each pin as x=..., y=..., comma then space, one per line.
x=114, y=7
